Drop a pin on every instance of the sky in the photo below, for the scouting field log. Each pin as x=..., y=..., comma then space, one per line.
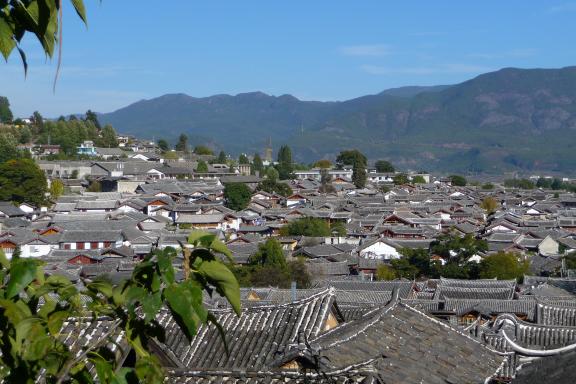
x=314, y=50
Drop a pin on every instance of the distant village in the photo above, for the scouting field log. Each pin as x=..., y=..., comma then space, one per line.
x=360, y=318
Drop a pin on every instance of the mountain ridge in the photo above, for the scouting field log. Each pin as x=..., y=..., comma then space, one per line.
x=508, y=120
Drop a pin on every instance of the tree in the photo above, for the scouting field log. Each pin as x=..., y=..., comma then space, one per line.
x=323, y=164
x=419, y=258
x=257, y=165
x=202, y=167
x=8, y=148
x=404, y=269
x=543, y=183
x=95, y=186
x=108, y=137
x=41, y=305
x=21, y=180
x=222, y=157
x=385, y=272
x=56, y=189
x=182, y=144
x=456, y=248
x=37, y=121
x=519, y=183
x=93, y=118
x=418, y=179
x=503, y=265
x=307, y=226
x=285, y=166
x=269, y=253
x=202, y=150
x=273, y=186
x=326, y=182
x=359, y=175
x=489, y=204
x=25, y=135
x=556, y=184
x=272, y=174
x=5, y=112
x=163, y=145
x=243, y=159
x=400, y=178
x=384, y=166
x=488, y=186
x=457, y=180
x=299, y=273
x=351, y=157
x=237, y=196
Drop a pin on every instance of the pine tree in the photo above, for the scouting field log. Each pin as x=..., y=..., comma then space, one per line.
x=182, y=144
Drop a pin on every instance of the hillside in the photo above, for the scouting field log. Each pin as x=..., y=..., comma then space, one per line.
x=509, y=120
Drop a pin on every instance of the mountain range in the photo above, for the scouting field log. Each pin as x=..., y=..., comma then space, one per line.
x=508, y=120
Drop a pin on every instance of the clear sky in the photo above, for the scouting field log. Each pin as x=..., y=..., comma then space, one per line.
x=313, y=49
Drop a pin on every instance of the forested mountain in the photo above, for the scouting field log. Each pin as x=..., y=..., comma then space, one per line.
x=511, y=119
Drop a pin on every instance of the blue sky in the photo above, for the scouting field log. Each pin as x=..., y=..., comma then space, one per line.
x=315, y=50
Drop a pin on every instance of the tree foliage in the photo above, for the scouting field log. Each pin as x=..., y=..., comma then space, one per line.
x=285, y=165
x=385, y=272
x=257, y=165
x=8, y=148
x=519, y=183
x=359, y=175
x=56, y=189
x=237, y=196
x=269, y=254
x=418, y=179
x=307, y=226
x=273, y=186
x=93, y=118
x=324, y=163
x=163, y=145
x=384, y=166
x=21, y=180
x=503, y=265
x=203, y=150
x=182, y=144
x=351, y=157
x=489, y=204
x=458, y=180
x=36, y=309
x=243, y=159
x=457, y=248
x=107, y=137
x=41, y=18
x=400, y=178
x=202, y=167
x=222, y=157
x=5, y=112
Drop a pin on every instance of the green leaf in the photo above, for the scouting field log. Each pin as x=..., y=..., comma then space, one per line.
x=56, y=320
x=101, y=286
x=7, y=42
x=80, y=10
x=201, y=238
x=220, y=247
x=22, y=273
x=223, y=279
x=166, y=268
x=182, y=299
x=4, y=263
x=151, y=304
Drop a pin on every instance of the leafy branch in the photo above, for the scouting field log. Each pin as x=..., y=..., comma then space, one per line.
x=43, y=319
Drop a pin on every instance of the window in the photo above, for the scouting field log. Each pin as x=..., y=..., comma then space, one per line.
x=79, y=245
